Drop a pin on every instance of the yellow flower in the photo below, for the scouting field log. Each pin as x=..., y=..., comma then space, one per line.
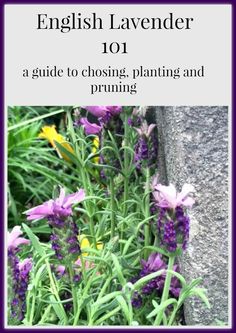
x=50, y=133
x=84, y=244
x=95, y=148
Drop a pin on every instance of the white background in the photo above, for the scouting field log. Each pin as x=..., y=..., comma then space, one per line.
x=208, y=43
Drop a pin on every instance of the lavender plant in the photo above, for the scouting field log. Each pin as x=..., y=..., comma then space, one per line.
x=110, y=257
x=18, y=276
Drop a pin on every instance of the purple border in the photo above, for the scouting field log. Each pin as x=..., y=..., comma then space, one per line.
x=2, y=140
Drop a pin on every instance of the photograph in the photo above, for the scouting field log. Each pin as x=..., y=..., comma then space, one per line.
x=117, y=216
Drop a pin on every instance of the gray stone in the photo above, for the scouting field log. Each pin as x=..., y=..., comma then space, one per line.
x=194, y=149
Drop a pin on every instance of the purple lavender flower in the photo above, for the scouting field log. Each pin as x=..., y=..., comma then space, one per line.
x=146, y=146
x=156, y=285
x=140, y=112
x=64, y=237
x=141, y=152
x=173, y=233
x=77, y=277
x=169, y=237
x=90, y=128
x=167, y=196
x=13, y=239
x=138, y=116
x=104, y=113
x=115, y=126
x=153, y=150
x=20, y=285
x=60, y=270
x=66, y=295
x=130, y=122
x=160, y=220
x=136, y=300
x=101, y=111
x=183, y=223
x=145, y=130
x=153, y=264
x=18, y=276
x=58, y=208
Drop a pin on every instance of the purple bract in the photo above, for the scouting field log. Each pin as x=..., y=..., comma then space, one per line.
x=13, y=239
x=60, y=207
x=167, y=196
x=101, y=111
x=90, y=128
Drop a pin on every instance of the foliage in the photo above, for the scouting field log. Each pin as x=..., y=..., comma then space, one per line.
x=118, y=217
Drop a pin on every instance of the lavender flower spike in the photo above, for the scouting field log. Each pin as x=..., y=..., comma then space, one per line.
x=114, y=109
x=60, y=270
x=140, y=111
x=145, y=130
x=154, y=263
x=167, y=196
x=60, y=207
x=13, y=239
x=64, y=236
x=90, y=128
x=25, y=265
x=18, y=276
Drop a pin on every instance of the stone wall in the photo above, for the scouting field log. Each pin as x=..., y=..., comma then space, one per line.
x=194, y=149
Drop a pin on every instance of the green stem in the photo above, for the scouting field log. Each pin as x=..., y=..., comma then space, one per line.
x=147, y=212
x=165, y=294
x=85, y=291
x=172, y=317
x=54, y=289
x=84, y=177
x=126, y=176
x=112, y=207
x=84, y=274
x=32, y=309
x=106, y=284
x=45, y=315
x=107, y=315
x=71, y=275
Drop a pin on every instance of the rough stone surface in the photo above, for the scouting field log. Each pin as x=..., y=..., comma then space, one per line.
x=194, y=149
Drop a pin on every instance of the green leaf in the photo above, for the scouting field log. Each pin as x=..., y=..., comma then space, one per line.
x=118, y=270
x=179, y=276
x=104, y=308
x=200, y=292
x=124, y=307
x=26, y=122
x=42, y=229
x=107, y=315
x=57, y=309
x=67, y=153
x=147, y=278
x=35, y=241
x=41, y=273
x=156, y=249
x=194, y=283
x=186, y=291
x=162, y=307
x=107, y=298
